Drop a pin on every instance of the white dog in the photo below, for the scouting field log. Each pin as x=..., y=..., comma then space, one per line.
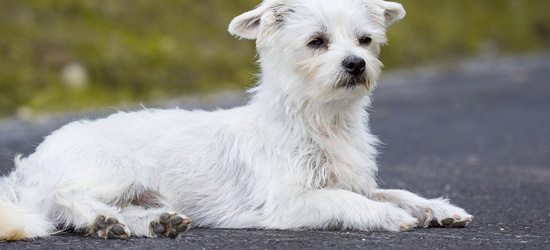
x=299, y=155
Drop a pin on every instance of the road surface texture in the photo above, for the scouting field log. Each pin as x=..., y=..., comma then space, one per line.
x=476, y=132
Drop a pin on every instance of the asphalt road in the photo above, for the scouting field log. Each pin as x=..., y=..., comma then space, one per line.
x=476, y=132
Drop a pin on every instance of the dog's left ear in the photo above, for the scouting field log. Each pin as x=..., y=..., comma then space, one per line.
x=247, y=25
x=393, y=12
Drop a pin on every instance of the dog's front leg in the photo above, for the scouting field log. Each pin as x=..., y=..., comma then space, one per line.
x=336, y=209
x=430, y=212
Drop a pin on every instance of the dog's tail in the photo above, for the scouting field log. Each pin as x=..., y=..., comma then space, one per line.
x=17, y=222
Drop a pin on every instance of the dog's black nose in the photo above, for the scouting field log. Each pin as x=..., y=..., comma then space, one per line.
x=354, y=65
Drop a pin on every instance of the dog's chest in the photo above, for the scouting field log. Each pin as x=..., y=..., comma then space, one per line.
x=327, y=164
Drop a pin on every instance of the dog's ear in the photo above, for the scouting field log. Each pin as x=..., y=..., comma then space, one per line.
x=247, y=25
x=393, y=12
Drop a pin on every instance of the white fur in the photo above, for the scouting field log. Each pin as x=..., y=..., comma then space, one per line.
x=299, y=155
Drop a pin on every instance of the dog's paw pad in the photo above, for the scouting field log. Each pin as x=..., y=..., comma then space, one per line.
x=109, y=228
x=447, y=222
x=170, y=225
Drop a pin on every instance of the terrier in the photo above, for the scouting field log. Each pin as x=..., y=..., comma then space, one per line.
x=298, y=155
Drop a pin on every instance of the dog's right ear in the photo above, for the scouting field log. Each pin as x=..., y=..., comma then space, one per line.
x=247, y=25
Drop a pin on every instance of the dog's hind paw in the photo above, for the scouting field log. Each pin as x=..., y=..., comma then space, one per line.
x=170, y=225
x=109, y=228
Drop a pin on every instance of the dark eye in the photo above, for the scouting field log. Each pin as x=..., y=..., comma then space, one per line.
x=317, y=42
x=365, y=40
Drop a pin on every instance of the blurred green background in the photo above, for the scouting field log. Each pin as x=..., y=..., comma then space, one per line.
x=61, y=55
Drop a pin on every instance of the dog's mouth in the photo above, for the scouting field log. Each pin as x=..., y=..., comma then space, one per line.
x=350, y=81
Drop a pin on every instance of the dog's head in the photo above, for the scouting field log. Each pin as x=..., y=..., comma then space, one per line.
x=331, y=45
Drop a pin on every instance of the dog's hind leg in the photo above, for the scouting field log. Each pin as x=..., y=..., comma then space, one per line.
x=78, y=210
x=146, y=215
x=430, y=212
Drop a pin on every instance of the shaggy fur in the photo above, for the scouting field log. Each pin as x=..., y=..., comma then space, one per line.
x=298, y=155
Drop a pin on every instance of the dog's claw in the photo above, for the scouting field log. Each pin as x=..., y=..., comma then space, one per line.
x=170, y=226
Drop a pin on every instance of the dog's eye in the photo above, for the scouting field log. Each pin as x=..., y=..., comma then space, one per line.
x=365, y=40
x=317, y=42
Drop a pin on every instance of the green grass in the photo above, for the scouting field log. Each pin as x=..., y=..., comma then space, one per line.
x=141, y=50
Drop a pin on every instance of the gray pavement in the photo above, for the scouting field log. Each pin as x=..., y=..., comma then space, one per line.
x=477, y=132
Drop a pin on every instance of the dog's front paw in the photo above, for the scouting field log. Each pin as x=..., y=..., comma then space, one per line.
x=398, y=219
x=170, y=225
x=443, y=214
x=109, y=228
